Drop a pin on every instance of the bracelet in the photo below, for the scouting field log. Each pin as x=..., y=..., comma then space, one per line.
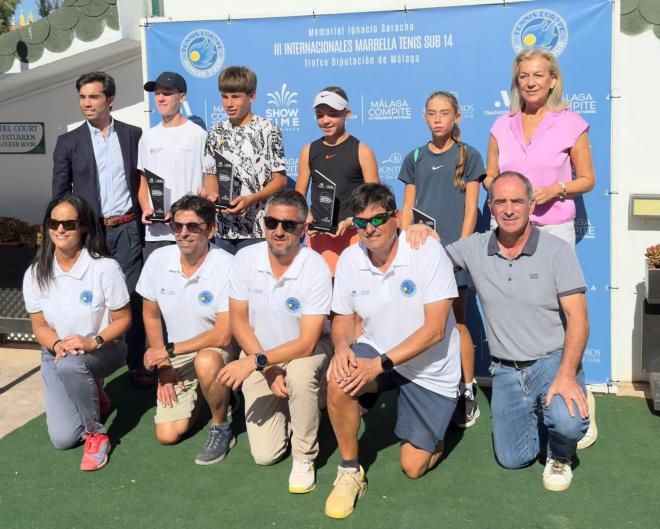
x=54, y=344
x=563, y=191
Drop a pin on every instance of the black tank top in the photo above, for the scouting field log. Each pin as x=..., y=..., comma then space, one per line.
x=341, y=164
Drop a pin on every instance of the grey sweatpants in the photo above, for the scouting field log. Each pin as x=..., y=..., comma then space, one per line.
x=72, y=400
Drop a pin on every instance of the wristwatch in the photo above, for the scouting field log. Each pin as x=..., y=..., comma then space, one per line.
x=260, y=361
x=99, y=341
x=386, y=363
x=169, y=347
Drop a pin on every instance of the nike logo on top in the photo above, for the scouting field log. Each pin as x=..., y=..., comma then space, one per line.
x=328, y=156
x=435, y=167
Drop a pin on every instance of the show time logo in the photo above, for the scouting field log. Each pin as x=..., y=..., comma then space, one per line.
x=202, y=53
x=284, y=112
x=389, y=109
x=581, y=102
x=500, y=106
x=584, y=229
x=390, y=168
x=541, y=28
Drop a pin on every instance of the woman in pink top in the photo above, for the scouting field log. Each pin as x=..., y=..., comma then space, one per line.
x=543, y=140
x=548, y=143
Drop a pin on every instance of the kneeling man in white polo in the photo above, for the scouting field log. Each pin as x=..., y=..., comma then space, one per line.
x=279, y=299
x=187, y=285
x=409, y=342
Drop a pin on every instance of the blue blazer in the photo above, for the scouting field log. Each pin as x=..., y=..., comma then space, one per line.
x=75, y=171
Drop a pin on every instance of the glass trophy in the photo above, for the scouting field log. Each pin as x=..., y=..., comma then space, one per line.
x=225, y=176
x=323, y=203
x=419, y=217
x=156, y=187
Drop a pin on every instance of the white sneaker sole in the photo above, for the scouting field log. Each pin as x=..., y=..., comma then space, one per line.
x=592, y=433
x=556, y=487
x=469, y=423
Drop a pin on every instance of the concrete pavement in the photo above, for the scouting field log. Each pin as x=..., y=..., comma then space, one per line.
x=21, y=396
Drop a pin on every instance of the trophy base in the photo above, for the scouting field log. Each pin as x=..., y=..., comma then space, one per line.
x=157, y=220
x=222, y=206
x=323, y=228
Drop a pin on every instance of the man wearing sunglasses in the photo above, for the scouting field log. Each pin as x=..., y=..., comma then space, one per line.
x=409, y=341
x=280, y=296
x=187, y=286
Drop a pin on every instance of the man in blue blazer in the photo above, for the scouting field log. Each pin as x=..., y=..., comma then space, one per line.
x=98, y=161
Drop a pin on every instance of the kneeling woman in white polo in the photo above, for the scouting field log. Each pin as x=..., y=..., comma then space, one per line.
x=79, y=307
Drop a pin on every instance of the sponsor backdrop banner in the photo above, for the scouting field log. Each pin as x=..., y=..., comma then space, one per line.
x=389, y=63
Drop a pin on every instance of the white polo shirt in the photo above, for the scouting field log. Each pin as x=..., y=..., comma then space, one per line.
x=189, y=305
x=276, y=305
x=78, y=301
x=391, y=306
x=175, y=154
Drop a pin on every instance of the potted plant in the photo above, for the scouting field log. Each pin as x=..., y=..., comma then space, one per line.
x=652, y=281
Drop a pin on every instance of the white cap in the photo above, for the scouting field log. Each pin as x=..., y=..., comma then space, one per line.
x=331, y=99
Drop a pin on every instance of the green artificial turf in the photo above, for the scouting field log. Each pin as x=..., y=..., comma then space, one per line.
x=145, y=485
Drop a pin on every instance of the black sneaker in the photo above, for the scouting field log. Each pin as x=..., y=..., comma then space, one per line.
x=467, y=411
x=218, y=443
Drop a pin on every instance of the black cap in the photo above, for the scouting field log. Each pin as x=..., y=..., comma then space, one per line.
x=167, y=80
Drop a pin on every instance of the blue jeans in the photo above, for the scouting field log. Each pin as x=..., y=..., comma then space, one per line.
x=522, y=423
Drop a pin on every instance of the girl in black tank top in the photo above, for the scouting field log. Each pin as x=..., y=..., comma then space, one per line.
x=341, y=158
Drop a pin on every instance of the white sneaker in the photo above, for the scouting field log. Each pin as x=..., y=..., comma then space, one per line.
x=301, y=479
x=557, y=475
x=592, y=433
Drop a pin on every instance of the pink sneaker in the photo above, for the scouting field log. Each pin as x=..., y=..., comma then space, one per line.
x=95, y=453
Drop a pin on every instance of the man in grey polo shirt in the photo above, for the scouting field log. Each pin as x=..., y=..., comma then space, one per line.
x=533, y=295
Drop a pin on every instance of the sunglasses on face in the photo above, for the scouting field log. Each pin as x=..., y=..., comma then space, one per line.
x=288, y=226
x=68, y=225
x=375, y=221
x=192, y=227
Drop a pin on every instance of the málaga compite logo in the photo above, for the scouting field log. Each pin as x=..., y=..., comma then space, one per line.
x=202, y=53
x=584, y=229
x=389, y=109
x=284, y=110
x=540, y=28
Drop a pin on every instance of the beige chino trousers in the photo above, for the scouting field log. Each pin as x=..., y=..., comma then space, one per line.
x=270, y=421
